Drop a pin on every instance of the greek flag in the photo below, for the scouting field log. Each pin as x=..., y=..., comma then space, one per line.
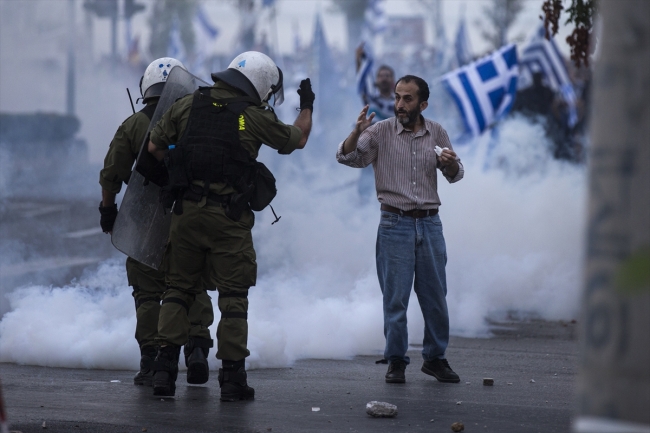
x=542, y=55
x=485, y=89
x=365, y=79
x=175, y=47
x=463, y=50
x=204, y=23
x=375, y=20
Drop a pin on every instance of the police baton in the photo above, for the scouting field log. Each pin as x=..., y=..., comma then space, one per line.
x=130, y=100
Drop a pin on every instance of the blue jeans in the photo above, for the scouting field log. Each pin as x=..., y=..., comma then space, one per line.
x=408, y=247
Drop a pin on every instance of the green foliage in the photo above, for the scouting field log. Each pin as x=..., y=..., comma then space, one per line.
x=581, y=14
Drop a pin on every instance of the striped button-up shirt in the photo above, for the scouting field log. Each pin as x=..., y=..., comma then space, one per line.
x=404, y=162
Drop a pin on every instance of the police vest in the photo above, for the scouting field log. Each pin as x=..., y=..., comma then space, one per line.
x=210, y=151
x=210, y=144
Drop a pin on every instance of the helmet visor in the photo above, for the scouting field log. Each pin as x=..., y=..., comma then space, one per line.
x=278, y=91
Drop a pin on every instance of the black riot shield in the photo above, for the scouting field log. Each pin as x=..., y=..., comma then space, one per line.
x=141, y=229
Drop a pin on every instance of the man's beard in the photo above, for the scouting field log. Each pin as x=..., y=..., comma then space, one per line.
x=411, y=116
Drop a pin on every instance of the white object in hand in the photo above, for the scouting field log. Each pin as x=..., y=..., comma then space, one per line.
x=438, y=150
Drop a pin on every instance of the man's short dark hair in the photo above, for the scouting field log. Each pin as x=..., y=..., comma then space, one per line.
x=387, y=68
x=423, y=87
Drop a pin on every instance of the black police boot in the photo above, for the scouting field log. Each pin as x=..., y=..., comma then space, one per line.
x=145, y=375
x=232, y=379
x=196, y=359
x=165, y=369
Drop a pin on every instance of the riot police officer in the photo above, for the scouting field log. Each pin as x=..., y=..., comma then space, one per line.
x=210, y=141
x=149, y=284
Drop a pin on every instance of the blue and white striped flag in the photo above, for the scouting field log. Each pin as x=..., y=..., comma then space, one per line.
x=365, y=75
x=175, y=47
x=463, y=50
x=542, y=55
x=204, y=23
x=485, y=89
x=375, y=20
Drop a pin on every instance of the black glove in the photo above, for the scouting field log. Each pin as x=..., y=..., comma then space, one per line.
x=307, y=96
x=108, y=217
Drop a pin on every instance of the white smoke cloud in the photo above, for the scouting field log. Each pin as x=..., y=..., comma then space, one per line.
x=513, y=226
x=514, y=241
x=87, y=324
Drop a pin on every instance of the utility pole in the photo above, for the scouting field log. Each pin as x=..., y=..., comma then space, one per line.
x=70, y=78
x=614, y=376
x=106, y=9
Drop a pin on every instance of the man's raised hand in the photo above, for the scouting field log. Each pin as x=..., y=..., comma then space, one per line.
x=364, y=122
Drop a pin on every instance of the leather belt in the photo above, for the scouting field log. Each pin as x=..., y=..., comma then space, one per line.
x=415, y=213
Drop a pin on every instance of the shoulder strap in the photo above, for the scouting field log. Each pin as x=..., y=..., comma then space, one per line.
x=235, y=104
x=238, y=104
x=148, y=110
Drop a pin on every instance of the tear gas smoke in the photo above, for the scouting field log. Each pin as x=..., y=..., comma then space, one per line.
x=513, y=234
x=513, y=228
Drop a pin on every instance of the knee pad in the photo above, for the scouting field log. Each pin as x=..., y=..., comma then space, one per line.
x=234, y=314
x=140, y=302
x=178, y=301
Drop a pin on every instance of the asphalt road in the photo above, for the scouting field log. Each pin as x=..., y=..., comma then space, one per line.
x=533, y=365
x=48, y=242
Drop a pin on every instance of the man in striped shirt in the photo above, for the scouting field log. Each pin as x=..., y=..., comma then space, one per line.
x=403, y=151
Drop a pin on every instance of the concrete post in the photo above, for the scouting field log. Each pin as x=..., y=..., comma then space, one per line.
x=614, y=376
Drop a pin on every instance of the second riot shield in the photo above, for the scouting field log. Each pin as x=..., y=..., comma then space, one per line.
x=141, y=229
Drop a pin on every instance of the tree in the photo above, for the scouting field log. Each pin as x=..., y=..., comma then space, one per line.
x=581, y=13
x=354, y=11
x=166, y=14
x=501, y=14
x=614, y=378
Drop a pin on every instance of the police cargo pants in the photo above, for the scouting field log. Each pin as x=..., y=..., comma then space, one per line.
x=204, y=241
x=148, y=287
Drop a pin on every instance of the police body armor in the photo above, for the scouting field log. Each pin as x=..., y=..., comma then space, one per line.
x=210, y=151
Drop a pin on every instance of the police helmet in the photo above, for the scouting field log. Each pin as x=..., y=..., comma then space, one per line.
x=255, y=74
x=155, y=76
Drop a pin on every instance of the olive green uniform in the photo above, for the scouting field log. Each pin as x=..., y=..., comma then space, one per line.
x=204, y=241
x=148, y=284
